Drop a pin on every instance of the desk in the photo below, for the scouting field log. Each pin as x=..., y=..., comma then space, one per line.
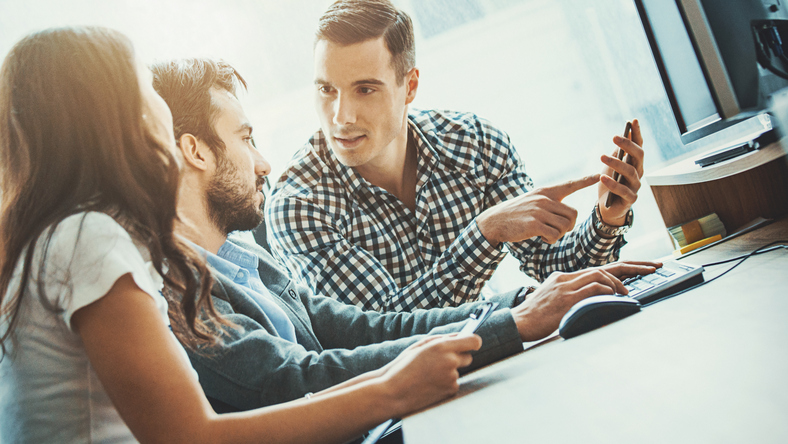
x=710, y=365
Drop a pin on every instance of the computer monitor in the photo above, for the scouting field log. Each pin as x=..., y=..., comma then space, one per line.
x=720, y=60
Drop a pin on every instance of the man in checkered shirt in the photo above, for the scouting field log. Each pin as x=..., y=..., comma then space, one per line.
x=393, y=210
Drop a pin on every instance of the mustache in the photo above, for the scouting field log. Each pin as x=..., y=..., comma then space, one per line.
x=263, y=183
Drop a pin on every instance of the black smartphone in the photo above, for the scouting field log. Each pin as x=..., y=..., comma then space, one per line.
x=622, y=155
x=478, y=316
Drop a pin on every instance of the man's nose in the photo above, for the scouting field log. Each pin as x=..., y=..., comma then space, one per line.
x=261, y=166
x=344, y=111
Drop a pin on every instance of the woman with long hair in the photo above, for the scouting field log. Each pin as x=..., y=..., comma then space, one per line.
x=88, y=180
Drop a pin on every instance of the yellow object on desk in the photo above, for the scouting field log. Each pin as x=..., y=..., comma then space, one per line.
x=698, y=244
x=696, y=230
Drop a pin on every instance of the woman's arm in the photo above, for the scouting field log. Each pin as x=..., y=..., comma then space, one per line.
x=154, y=389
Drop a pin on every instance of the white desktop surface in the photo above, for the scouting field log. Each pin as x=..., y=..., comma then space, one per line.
x=687, y=172
x=710, y=365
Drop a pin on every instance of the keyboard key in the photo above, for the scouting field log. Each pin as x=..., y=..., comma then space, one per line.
x=664, y=272
x=654, y=279
x=641, y=285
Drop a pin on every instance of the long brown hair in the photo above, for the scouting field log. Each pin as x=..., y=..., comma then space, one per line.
x=73, y=139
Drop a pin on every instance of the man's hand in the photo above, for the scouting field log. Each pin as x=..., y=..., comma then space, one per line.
x=627, y=190
x=536, y=213
x=542, y=310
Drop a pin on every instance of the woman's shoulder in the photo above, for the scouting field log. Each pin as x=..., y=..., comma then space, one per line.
x=85, y=233
x=87, y=242
x=90, y=223
x=84, y=257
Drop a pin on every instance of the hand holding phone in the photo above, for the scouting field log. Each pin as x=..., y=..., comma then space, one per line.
x=478, y=316
x=475, y=319
x=622, y=155
x=393, y=426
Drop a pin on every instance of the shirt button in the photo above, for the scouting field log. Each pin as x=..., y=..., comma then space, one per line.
x=292, y=293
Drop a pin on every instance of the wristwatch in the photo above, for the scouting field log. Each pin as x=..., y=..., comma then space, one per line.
x=610, y=230
x=524, y=292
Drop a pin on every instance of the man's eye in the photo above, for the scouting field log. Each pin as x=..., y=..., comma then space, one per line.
x=365, y=90
x=324, y=89
x=250, y=139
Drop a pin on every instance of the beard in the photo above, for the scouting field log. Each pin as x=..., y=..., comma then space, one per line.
x=231, y=200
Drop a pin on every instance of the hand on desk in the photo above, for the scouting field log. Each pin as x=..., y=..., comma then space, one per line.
x=631, y=172
x=539, y=212
x=541, y=312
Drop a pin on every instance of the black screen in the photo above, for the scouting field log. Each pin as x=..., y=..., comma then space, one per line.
x=716, y=81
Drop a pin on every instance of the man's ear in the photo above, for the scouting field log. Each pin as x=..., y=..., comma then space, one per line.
x=195, y=153
x=412, y=83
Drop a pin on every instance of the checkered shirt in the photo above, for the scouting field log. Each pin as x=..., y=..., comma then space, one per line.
x=354, y=241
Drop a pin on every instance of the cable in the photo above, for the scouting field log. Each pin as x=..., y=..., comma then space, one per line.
x=776, y=71
x=777, y=247
x=768, y=38
x=741, y=259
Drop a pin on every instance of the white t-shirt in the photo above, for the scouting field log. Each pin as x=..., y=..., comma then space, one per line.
x=49, y=392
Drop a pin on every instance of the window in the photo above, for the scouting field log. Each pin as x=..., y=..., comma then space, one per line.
x=560, y=76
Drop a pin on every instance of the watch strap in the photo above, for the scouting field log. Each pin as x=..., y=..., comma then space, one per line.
x=609, y=230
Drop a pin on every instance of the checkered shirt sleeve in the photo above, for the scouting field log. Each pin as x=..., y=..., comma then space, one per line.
x=580, y=248
x=362, y=247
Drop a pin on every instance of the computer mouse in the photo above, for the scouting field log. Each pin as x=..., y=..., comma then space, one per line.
x=595, y=312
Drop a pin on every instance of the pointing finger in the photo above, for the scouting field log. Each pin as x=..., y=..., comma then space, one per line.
x=559, y=192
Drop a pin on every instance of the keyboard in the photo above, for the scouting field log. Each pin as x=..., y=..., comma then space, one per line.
x=671, y=278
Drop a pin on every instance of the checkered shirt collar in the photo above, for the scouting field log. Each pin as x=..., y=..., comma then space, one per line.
x=429, y=159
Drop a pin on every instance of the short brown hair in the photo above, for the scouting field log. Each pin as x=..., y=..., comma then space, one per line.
x=186, y=87
x=347, y=22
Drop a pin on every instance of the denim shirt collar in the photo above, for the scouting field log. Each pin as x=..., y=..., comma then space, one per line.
x=230, y=259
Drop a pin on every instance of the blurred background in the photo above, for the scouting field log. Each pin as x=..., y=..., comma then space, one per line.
x=562, y=77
